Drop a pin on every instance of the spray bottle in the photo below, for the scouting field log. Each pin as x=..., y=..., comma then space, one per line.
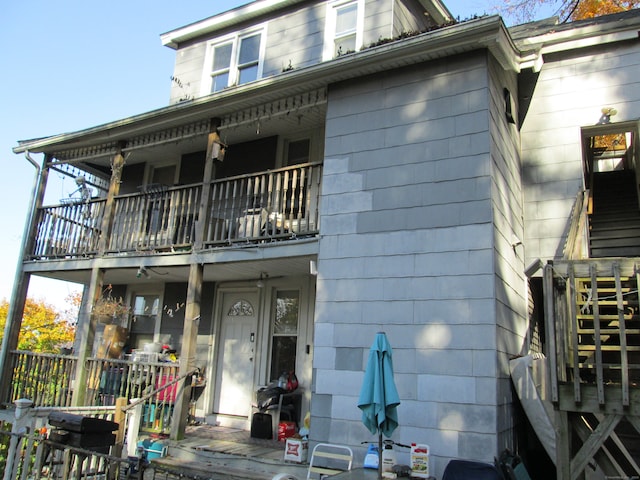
x=388, y=456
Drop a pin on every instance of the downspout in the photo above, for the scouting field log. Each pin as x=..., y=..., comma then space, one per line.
x=11, y=331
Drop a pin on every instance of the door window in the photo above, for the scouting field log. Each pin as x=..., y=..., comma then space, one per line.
x=285, y=332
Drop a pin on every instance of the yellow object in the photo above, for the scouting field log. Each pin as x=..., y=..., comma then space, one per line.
x=307, y=421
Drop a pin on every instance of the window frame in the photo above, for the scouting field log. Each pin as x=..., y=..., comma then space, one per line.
x=272, y=333
x=234, y=68
x=331, y=24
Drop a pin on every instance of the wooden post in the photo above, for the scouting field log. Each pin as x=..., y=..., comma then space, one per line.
x=188, y=351
x=120, y=417
x=213, y=143
x=20, y=286
x=86, y=331
x=117, y=164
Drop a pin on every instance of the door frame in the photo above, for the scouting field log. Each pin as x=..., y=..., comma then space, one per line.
x=261, y=364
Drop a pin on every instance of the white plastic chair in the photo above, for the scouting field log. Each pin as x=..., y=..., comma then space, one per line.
x=328, y=460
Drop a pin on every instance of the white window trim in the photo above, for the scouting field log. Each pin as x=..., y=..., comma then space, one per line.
x=234, y=39
x=330, y=26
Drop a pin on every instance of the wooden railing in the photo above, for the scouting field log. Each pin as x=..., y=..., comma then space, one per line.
x=68, y=230
x=158, y=218
x=593, y=326
x=46, y=379
x=274, y=204
x=110, y=379
x=271, y=205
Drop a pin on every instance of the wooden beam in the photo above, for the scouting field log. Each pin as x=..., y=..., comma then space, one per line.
x=593, y=444
x=188, y=351
x=213, y=142
x=117, y=165
x=86, y=331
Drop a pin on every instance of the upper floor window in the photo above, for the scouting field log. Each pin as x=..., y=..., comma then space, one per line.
x=343, y=31
x=233, y=61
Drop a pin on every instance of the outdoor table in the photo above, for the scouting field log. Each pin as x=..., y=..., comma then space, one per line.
x=357, y=474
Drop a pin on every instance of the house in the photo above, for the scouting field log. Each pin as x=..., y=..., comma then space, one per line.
x=329, y=169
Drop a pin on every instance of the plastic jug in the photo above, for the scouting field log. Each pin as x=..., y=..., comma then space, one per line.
x=419, y=460
x=388, y=456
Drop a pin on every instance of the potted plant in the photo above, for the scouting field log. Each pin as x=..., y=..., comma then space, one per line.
x=109, y=309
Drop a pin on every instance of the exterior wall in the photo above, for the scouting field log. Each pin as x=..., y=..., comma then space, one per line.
x=571, y=90
x=296, y=39
x=511, y=292
x=407, y=18
x=407, y=247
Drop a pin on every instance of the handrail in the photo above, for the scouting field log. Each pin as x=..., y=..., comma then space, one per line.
x=147, y=396
x=577, y=237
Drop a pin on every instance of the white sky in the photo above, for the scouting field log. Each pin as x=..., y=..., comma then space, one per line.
x=74, y=64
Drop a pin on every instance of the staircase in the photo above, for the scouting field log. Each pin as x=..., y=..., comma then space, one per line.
x=615, y=221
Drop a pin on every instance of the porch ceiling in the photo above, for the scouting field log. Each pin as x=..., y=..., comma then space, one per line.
x=228, y=267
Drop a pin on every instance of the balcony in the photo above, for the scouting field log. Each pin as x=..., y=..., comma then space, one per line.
x=267, y=206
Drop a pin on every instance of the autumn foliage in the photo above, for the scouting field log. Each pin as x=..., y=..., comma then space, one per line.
x=567, y=10
x=43, y=328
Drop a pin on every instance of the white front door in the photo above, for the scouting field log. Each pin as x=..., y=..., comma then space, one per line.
x=236, y=358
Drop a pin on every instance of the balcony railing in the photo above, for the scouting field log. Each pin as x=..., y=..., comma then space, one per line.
x=271, y=205
x=69, y=229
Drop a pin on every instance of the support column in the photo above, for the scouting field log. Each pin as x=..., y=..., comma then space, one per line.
x=188, y=351
x=21, y=281
x=213, y=149
x=86, y=331
x=117, y=164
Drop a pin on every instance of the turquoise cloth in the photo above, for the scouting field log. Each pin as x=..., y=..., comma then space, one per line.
x=379, y=396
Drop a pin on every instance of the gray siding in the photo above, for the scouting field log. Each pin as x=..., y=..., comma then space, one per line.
x=511, y=294
x=408, y=247
x=407, y=17
x=296, y=38
x=570, y=93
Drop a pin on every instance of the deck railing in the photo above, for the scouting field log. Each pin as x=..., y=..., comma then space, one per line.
x=70, y=229
x=593, y=325
x=276, y=204
x=48, y=381
x=111, y=379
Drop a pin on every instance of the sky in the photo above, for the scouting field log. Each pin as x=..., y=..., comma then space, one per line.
x=75, y=64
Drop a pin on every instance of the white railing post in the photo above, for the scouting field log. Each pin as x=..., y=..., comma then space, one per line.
x=20, y=426
x=133, y=428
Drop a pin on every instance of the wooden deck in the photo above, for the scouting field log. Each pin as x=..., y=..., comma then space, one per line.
x=215, y=452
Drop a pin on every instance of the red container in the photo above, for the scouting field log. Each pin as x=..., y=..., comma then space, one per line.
x=286, y=430
x=168, y=394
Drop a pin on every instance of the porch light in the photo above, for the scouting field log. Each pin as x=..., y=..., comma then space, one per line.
x=260, y=282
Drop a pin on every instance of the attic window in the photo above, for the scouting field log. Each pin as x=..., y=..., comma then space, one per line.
x=233, y=60
x=344, y=27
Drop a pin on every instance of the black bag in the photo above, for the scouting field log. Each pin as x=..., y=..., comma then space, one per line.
x=268, y=396
x=261, y=426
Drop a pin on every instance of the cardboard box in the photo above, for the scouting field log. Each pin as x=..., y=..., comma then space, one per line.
x=114, y=339
x=296, y=450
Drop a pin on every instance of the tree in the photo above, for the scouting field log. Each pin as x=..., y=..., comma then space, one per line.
x=42, y=330
x=568, y=10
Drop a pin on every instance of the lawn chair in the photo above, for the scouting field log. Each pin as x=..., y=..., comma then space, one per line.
x=327, y=460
